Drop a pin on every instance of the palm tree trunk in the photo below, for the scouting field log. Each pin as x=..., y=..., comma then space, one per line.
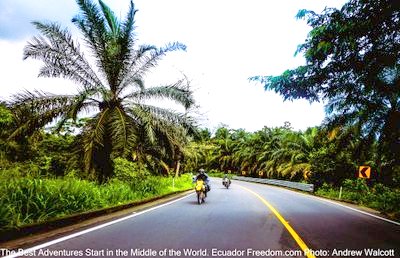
x=103, y=164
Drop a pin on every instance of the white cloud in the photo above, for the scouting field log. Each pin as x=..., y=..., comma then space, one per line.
x=19, y=75
x=16, y=16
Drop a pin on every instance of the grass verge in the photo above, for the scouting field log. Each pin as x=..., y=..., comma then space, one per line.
x=31, y=201
x=378, y=197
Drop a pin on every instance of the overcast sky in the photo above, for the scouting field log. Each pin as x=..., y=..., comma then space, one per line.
x=227, y=42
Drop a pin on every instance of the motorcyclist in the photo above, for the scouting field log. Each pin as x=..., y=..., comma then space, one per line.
x=203, y=176
x=226, y=177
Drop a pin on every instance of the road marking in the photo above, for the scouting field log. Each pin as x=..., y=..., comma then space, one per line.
x=292, y=232
x=61, y=239
x=321, y=199
x=324, y=200
x=354, y=209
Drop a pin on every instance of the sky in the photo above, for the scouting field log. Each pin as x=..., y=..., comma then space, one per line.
x=227, y=42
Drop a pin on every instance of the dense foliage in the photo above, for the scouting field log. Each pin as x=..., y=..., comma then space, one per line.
x=353, y=64
x=378, y=196
x=317, y=155
x=53, y=162
x=112, y=89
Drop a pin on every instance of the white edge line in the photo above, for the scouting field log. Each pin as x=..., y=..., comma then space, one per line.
x=357, y=210
x=335, y=203
x=61, y=239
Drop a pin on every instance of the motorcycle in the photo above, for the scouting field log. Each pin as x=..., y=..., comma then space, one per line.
x=200, y=189
x=226, y=182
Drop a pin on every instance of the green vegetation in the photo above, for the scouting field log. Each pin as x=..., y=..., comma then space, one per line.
x=215, y=173
x=27, y=201
x=352, y=64
x=128, y=149
x=124, y=123
x=378, y=197
x=125, y=150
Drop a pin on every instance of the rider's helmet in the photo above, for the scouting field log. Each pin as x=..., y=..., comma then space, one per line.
x=201, y=171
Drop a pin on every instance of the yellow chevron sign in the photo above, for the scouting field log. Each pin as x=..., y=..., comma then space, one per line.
x=364, y=172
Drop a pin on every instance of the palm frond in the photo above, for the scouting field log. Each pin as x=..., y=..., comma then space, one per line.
x=146, y=58
x=93, y=135
x=111, y=19
x=61, y=56
x=160, y=114
x=161, y=127
x=124, y=131
x=144, y=119
x=91, y=24
x=130, y=74
x=128, y=25
x=80, y=103
x=33, y=110
x=127, y=42
x=173, y=92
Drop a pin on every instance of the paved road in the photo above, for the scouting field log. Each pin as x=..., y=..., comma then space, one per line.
x=238, y=223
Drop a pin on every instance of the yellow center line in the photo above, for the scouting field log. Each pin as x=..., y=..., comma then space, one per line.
x=296, y=236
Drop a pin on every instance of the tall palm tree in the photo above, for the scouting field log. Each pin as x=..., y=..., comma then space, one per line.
x=113, y=88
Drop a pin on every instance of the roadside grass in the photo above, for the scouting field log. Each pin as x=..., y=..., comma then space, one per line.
x=215, y=173
x=378, y=197
x=25, y=201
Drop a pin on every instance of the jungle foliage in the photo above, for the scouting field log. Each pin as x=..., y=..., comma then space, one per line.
x=126, y=147
x=317, y=155
x=353, y=64
x=103, y=145
x=111, y=88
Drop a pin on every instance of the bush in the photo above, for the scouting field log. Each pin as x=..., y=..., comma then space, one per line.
x=128, y=171
x=358, y=185
x=19, y=170
x=327, y=191
x=26, y=200
x=379, y=197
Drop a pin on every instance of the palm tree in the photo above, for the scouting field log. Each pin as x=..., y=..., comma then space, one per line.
x=113, y=88
x=269, y=156
x=225, y=143
x=299, y=147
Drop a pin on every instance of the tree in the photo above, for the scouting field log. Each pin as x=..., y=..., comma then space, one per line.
x=6, y=117
x=113, y=88
x=224, y=152
x=298, y=148
x=21, y=147
x=353, y=63
x=6, y=120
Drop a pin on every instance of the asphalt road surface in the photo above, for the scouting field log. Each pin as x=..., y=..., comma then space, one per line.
x=246, y=220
